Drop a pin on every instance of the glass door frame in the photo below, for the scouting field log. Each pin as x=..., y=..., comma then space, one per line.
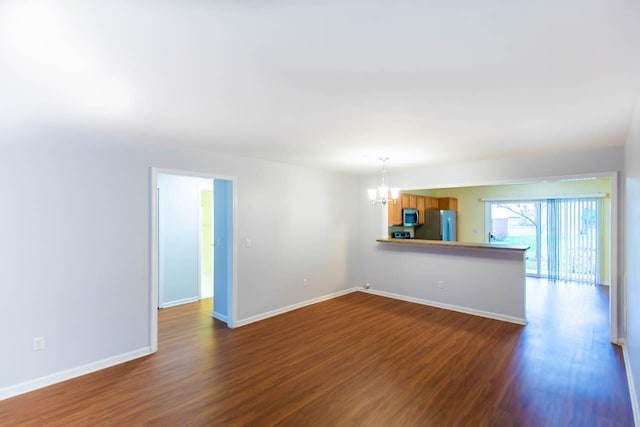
x=489, y=227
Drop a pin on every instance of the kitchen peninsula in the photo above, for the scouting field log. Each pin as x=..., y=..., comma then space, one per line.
x=482, y=279
x=420, y=260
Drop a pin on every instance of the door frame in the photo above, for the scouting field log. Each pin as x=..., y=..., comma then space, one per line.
x=154, y=264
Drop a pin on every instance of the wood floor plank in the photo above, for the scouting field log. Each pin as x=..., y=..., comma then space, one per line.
x=360, y=360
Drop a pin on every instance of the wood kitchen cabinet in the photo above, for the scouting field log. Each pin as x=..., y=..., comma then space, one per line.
x=395, y=212
x=395, y=209
x=431, y=203
x=420, y=208
x=448, y=203
x=405, y=200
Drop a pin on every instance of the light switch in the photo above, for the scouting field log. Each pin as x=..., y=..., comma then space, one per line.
x=247, y=243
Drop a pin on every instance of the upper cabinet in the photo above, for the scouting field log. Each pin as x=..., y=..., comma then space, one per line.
x=395, y=211
x=421, y=204
x=431, y=203
x=448, y=203
x=405, y=201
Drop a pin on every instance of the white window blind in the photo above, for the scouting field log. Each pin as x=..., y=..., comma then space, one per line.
x=573, y=239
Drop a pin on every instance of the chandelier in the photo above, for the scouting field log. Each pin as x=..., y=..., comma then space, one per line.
x=383, y=194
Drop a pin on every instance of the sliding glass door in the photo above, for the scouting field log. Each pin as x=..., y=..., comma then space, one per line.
x=562, y=235
x=518, y=223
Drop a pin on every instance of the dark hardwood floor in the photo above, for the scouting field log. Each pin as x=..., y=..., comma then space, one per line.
x=360, y=360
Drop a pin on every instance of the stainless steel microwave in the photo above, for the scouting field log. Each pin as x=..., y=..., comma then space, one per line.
x=410, y=217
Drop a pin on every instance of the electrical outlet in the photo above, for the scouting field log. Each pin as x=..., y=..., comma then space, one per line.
x=305, y=283
x=38, y=343
x=441, y=284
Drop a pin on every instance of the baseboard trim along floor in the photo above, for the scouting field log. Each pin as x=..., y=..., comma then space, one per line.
x=278, y=311
x=436, y=304
x=632, y=386
x=68, y=374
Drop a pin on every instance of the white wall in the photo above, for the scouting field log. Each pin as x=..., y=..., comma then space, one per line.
x=632, y=171
x=486, y=282
x=372, y=260
x=81, y=201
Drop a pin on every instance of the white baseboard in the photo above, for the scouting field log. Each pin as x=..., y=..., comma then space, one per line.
x=48, y=380
x=278, y=311
x=221, y=317
x=179, y=302
x=459, y=309
x=632, y=387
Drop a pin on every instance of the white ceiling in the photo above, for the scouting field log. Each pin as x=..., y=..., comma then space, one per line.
x=327, y=83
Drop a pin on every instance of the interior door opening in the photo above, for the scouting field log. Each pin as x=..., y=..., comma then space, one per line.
x=192, y=243
x=185, y=218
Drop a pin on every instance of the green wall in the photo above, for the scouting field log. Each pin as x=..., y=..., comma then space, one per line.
x=471, y=210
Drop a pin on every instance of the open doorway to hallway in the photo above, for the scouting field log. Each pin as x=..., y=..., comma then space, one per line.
x=185, y=218
x=180, y=240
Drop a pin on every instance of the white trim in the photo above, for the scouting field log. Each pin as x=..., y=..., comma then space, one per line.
x=613, y=260
x=532, y=180
x=487, y=314
x=68, y=374
x=180, y=302
x=232, y=297
x=258, y=317
x=161, y=232
x=154, y=264
x=219, y=316
x=200, y=242
x=536, y=198
x=632, y=387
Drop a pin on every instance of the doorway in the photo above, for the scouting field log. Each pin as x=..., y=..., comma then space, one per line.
x=182, y=235
x=222, y=245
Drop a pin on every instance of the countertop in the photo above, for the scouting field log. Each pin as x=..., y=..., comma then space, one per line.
x=494, y=246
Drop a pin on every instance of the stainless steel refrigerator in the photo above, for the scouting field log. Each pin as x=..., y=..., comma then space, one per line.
x=438, y=225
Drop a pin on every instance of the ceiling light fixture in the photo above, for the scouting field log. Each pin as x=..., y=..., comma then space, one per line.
x=383, y=194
